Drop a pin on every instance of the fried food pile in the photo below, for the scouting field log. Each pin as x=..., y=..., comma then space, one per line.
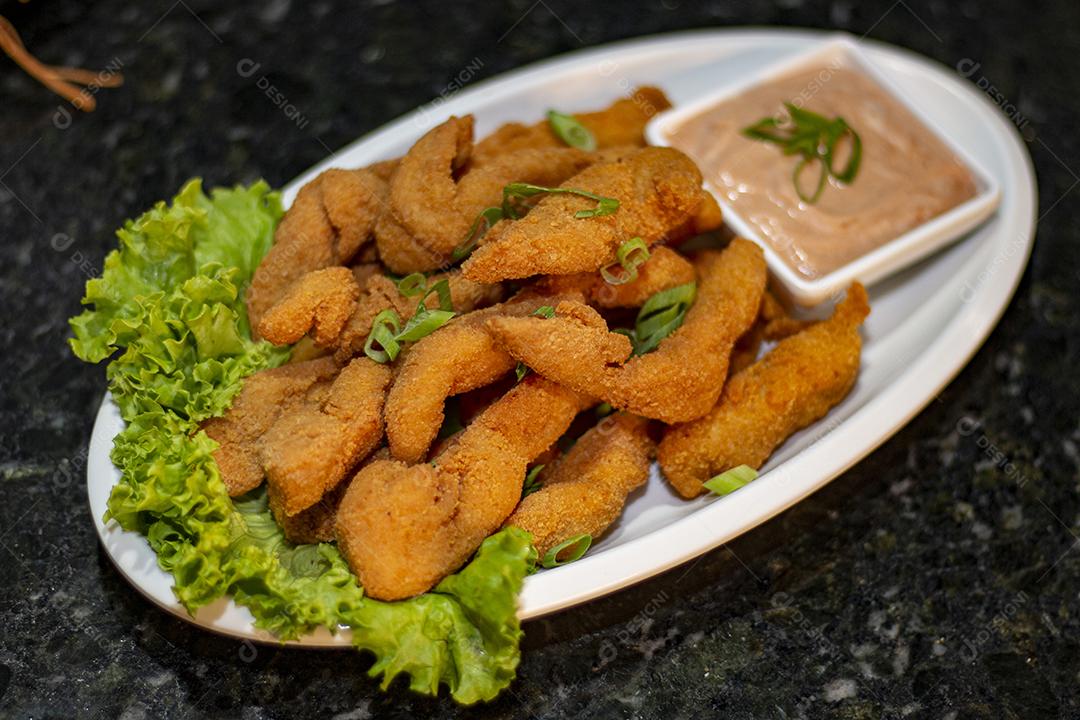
x=509, y=332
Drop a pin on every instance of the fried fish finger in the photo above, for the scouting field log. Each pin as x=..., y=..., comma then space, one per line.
x=795, y=384
x=320, y=302
x=584, y=493
x=404, y=527
x=309, y=450
x=436, y=208
x=658, y=190
x=681, y=379
x=266, y=395
x=620, y=124
x=459, y=357
x=331, y=218
x=381, y=293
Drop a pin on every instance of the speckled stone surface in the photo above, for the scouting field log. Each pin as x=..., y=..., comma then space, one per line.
x=939, y=578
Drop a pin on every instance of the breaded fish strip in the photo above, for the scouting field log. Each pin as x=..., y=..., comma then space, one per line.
x=795, y=384
x=620, y=124
x=331, y=218
x=773, y=323
x=658, y=190
x=681, y=379
x=664, y=269
x=459, y=357
x=404, y=527
x=320, y=302
x=436, y=209
x=381, y=293
x=316, y=524
x=310, y=449
x=587, y=488
x=266, y=395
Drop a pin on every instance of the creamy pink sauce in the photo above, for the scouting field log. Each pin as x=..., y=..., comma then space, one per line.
x=907, y=175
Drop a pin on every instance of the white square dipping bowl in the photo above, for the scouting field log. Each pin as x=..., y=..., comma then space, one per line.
x=886, y=259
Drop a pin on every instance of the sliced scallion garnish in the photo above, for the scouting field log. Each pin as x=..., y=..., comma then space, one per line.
x=814, y=137
x=531, y=484
x=386, y=336
x=412, y=284
x=441, y=289
x=628, y=257
x=567, y=551
x=423, y=324
x=384, y=329
x=730, y=480
x=484, y=221
x=661, y=315
x=515, y=194
x=570, y=130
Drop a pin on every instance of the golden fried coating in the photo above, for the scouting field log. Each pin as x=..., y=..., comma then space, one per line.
x=795, y=384
x=331, y=218
x=400, y=251
x=658, y=189
x=620, y=124
x=458, y=357
x=435, y=209
x=586, y=489
x=402, y=528
x=664, y=269
x=266, y=396
x=320, y=302
x=381, y=293
x=309, y=450
x=678, y=381
x=773, y=323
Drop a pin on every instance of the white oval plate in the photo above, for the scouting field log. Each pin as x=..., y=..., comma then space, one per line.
x=926, y=322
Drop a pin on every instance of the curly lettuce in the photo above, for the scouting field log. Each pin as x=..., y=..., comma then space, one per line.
x=168, y=313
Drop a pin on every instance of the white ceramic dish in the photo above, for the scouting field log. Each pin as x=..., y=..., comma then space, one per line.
x=891, y=257
x=926, y=323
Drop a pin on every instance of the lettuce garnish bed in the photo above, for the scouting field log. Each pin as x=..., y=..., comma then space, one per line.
x=168, y=313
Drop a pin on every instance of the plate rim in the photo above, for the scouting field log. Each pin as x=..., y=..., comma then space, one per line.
x=975, y=321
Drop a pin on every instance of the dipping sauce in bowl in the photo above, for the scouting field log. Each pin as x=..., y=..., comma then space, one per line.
x=906, y=175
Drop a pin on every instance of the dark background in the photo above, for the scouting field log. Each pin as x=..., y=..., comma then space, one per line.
x=926, y=582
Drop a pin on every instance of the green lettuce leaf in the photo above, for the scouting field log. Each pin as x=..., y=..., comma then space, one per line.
x=169, y=312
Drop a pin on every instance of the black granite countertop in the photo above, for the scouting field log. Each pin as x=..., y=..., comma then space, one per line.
x=928, y=581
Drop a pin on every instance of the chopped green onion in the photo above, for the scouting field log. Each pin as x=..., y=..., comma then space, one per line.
x=516, y=193
x=521, y=371
x=814, y=137
x=441, y=290
x=603, y=410
x=604, y=206
x=413, y=284
x=384, y=328
x=731, y=480
x=423, y=324
x=386, y=336
x=484, y=221
x=628, y=257
x=796, y=178
x=570, y=550
x=531, y=484
x=570, y=130
x=661, y=315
